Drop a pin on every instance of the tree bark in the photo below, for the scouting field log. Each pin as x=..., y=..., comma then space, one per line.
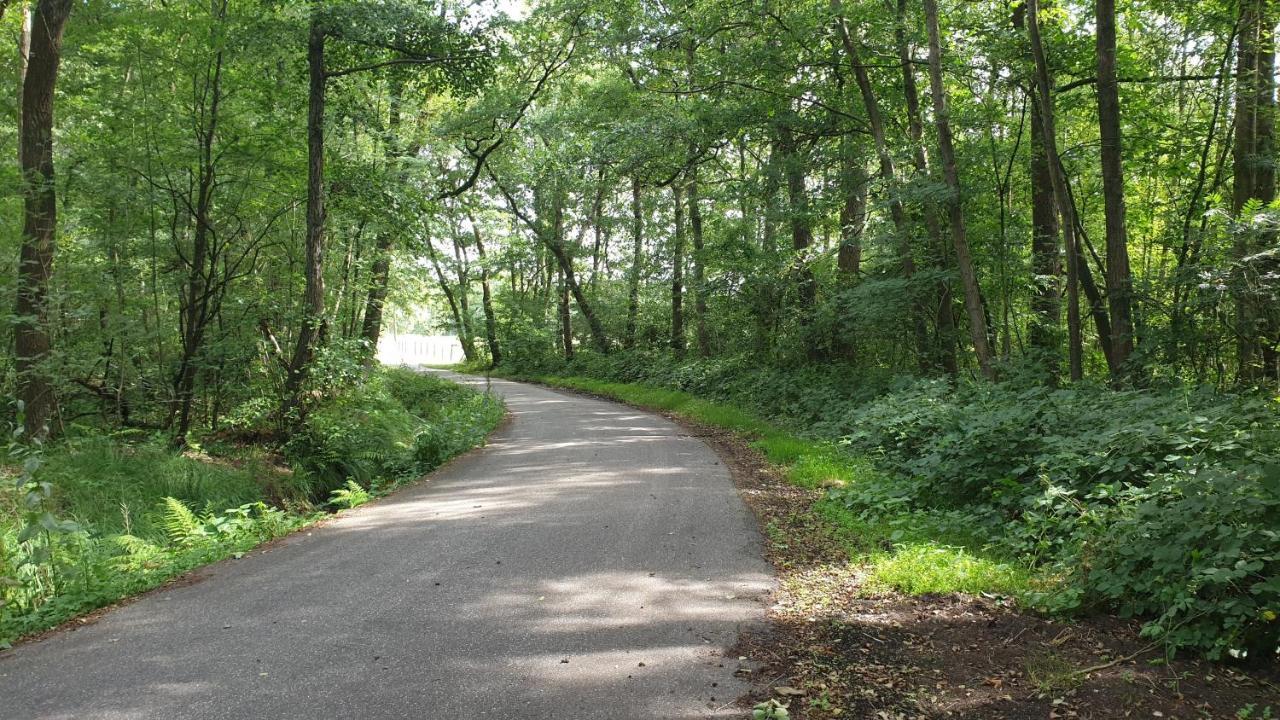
x=677, y=273
x=380, y=269
x=313, y=295
x=566, y=318
x=1119, y=278
x=468, y=351
x=701, y=333
x=486, y=299
x=1046, y=306
x=637, y=257
x=1057, y=176
x=1253, y=175
x=801, y=237
x=853, y=214
x=31, y=337
x=944, y=341
x=955, y=212
x=195, y=314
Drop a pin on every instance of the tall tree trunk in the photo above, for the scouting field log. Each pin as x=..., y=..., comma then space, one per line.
x=1119, y=278
x=195, y=311
x=1253, y=175
x=677, y=273
x=313, y=295
x=701, y=333
x=1046, y=306
x=24, y=55
x=1062, y=196
x=376, y=298
x=380, y=269
x=566, y=318
x=637, y=258
x=467, y=336
x=887, y=172
x=486, y=299
x=598, y=247
x=944, y=341
x=40, y=218
x=853, y=212
x=955, y=212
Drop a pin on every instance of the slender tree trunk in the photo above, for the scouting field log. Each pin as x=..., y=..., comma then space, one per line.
x=598, y=246
x=195, y=312
x=944, y=342
x=637, y=258
x=1119, y=278
x=853, y=213
x=1058, y=178
x=486, y=299
x=24, y=55
x=467, y=338
x=887, y=171
x=376, y=299
x=955, y=212
x=380, y=268
x=313, y=296
x=566, y=318
x=1046, y=306
x=701, y=332
x=40, y=218
x=554, y=240
x=1253, y=177
x=677, y=273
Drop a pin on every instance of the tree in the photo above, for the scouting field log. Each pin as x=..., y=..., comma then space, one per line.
x=955, y=211
x=40, y=217
x=1119, y=277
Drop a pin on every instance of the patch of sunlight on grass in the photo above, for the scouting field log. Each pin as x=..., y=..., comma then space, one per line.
x=926, y=567
x=915, y=556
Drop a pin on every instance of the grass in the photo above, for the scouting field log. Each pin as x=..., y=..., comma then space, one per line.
x=909, y=551
x=116, y=487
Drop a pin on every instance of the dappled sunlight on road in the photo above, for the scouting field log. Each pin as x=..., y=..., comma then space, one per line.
x=591, y=562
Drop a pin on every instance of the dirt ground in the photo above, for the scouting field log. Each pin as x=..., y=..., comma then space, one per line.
x=837, y=650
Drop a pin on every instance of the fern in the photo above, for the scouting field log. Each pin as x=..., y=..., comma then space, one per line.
x=349, y=496
x=181, y=524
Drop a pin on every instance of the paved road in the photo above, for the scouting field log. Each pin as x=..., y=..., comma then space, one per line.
x=592, y=562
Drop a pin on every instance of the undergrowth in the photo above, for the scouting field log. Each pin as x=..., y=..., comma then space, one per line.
x=96, y=518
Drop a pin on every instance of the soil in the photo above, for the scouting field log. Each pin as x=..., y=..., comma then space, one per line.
x=838, y=650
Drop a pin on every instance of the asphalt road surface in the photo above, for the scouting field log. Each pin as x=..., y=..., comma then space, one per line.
x=593, y=561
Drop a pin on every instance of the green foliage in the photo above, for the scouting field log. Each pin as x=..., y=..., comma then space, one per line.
x=139, y=512
x=770, y=710
x=349, y=496
x=391, y=426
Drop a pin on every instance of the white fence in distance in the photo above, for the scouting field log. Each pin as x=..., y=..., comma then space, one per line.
x=419, y=350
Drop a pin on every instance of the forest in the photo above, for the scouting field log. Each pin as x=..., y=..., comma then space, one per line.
x=1007, y=273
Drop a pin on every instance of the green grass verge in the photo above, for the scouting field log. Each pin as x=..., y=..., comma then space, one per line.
x=911, y=552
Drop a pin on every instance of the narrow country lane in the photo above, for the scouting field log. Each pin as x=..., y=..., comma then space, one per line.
x=593, y=562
